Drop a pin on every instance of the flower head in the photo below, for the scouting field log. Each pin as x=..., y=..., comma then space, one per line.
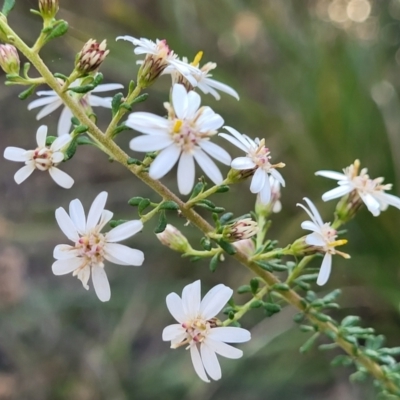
x=199, y=330
x=257, y=160
x=9, y=59
x=91, y=56
x=91, y=247
x=361, y=189
x=202, y=78
x=158, y=57
x=51, y=102
x=185, y=135
x=242, y=229
x=43, y=158
x=323, y=239
x=48, y=8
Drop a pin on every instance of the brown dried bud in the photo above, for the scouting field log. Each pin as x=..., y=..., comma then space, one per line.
x=48, y=8
x=91, y=56
x=9, y=59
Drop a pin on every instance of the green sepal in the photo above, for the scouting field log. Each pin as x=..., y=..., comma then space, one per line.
x=58, y=29
x=309, y=343
x=143, y=205
x=115, y=222
x=244, y=289
x=50, y=140
x=140, y=99
x=214, y=262
x=134, y=161
x=229, y=248
x=254, y=284
x=135, y=201
x=256, y=304
x=223, y=189
x=26, y=93
x=205, y=243
x=162, y=222
x=116, y=102
x=7, y=7
x=60, y=76
x=169, y=205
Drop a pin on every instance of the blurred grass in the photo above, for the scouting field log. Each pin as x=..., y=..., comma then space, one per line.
x=322, y=93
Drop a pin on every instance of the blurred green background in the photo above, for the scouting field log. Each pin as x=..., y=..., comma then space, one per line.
x=319, y=80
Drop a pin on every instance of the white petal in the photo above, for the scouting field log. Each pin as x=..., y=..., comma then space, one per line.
x=234, y=141
x=310, y=226
x=180, y=100
x=315, y=239
x=64, y=122
x=198, y=364
x=164, y=162
x=15, y=154
x=150, y=143
x=66, y=225
x=215, y=151
x=194, y=101
x=314, y=211
x=215, y=300
x=65, y=251
x=23, y=173
x=41, y=135
x=265, y=192
x=49, y=109
x=210, y=362
x=332, y=175
x=208, y=166
x=174, y=304
x=42, y=102
x=60, y=142
x=186, y=173
x=210, y=122
x=325, y=270
x=191, y=299
x=124, y=254
x=66, y=266
x=371, y=203
x=77, y=215
x=337, y=192
x=223, y=349
x=57, y=157
x=171, y=332
x=241, y=163
x=101, y=284
x=104, y=219
x=106, y=87
x=96, y=209
x=96, y=101
x=61, y=178
x=259, y=181
x=230, y=334
x=389, y=199
x=123, y=231
x=245, y=140
x=222, y=87
x=148, y=123
x=278, y=176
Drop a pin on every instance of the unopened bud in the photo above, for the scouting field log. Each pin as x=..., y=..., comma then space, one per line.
x=154, y=64
x=174, y=239
x=9, y=59
x=91, y=56
x=48, y=8
x=242, y=229
x=274, y=205
x=245, y=246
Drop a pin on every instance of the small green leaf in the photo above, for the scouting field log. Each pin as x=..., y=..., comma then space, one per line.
x=81, y=89
x=206, y=202
x=116, y=102
x=169, y=205
x=264, y=265
x=231, y=315
x=50, y=140
x=71, y=150
x=322, y=317
x=26, y=93
x=218, y=210
x=298, y=317
x=59, y=29
x=358, y=376
x=75, y=121
x=205, y=243
x=214, y=263
x=98, y=79
x=81, y=129
x=309, y=343
x=135, y=201
x=332, y=296
x=272, y=308
x=329, y=346
x=225, y=218
x=84, y=140
x=131, y=87
x=280, y=286
x=115, y=222
x=143, y=205
x=350, y=320
x=308, y=277
x=254, y=284
x=60, y=76
x=230, y=249
x=140, y=99
x=120, y=128
x=7, y=7
x=342, y=360
x=302, y=285
x=196, y=258
x=134, y=161
x=256, y=304
x=198, y=188
x=244, y=289
x=222, y=189
x=162, y=222
x=306, y=328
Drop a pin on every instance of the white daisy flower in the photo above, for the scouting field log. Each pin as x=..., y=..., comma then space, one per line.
x=258, y=159
x=51, y=102
x=370, y=191
x=91, y=247
x=158, y=57
x=185, y=135
x=323, y=239
x=202, y=77
x=198, y=328
x=42, y=158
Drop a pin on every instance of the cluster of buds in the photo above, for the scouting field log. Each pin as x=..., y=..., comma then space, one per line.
x=48, y=8
x=9, y=59
x=240, y=230
x=174, y=239
x=91, y=56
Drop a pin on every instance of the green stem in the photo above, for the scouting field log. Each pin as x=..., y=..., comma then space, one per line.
x=202, y=253
x=204, y=195
x=298, y=269
x=120, y=156
x=286, y=251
